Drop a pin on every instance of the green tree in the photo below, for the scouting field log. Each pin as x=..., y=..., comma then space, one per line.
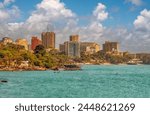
x=40, y=49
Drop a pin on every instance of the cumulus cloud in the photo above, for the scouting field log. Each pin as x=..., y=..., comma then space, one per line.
x=94, y=30
x=53, y=15
x=3, y=15
x=136, y=39
x=50, y=11
x=142, y=30
x=143, y=21
x=49, y=15
x=100, y=12
x=8, y=14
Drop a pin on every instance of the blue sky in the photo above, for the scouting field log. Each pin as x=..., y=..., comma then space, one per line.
x=118, y=9
x=121, y=13
x=124, y=21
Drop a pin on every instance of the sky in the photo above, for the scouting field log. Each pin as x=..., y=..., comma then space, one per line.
x=125, y=21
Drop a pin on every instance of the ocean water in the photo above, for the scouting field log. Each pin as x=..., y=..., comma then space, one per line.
x=113, y=81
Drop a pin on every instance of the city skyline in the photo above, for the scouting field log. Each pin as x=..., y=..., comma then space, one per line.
x=99, y=21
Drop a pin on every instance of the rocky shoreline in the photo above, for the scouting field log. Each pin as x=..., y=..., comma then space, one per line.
x=72, y=67
x=22, y=69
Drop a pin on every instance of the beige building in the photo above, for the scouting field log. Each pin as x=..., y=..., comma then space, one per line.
x=133, y=56
x=89, y=47
x=22, y=42
x=111, y=47
x=74, y=38
x=48, y=39
x=139, y=55
x=6, y=40
x=142, y=55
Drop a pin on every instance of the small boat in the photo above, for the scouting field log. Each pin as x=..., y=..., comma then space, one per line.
x=132, y=63
x=72, y=67
x=3, y=81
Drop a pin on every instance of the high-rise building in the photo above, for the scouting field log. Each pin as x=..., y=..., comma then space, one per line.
x=48, y=39
x=89, y=47
x=35, y=42
x=74, y=38
x=72, y=49
x=111, y=47
x=22, y=42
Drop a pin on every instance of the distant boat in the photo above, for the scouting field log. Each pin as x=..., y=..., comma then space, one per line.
x=132, y=63
x=135, y=62
x=69, y=67
x=3, y=81
x=72, y=67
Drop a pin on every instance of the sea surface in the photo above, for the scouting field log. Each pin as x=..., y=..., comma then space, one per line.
x=94, y=81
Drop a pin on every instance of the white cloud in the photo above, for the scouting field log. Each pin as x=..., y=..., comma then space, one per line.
x=94, y=30
x=54, y=15
x=50, y=10
x=143, y=21
x=55, y=8
x=51, y=14
x=136, y=39
x=135, y=2
x=100, y=12
x=8, y=14
x=3, y=15
x=58, y=18
x=129, y=39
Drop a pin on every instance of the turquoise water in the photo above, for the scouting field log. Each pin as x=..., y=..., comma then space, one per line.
x=92, y=82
